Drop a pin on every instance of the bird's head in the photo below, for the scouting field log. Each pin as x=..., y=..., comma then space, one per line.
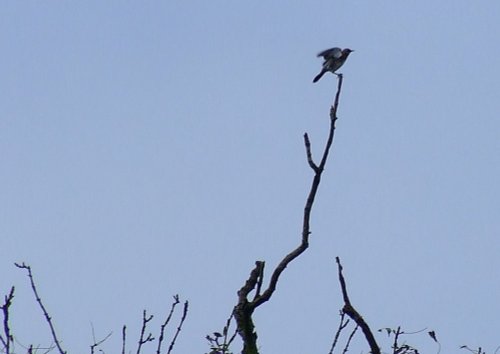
x=347, y=51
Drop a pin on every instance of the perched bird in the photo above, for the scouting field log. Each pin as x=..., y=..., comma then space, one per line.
x=334, y=59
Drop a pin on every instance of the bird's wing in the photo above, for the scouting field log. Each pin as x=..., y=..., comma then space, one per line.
x=331, y=53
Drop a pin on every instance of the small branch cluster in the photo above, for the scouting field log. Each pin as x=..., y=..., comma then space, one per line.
x=397, y=347
x=220, y=342
x=7, y=338
x=401, y=347
x=147, y=338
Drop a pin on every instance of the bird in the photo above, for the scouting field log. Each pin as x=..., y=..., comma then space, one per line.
x=334, y=59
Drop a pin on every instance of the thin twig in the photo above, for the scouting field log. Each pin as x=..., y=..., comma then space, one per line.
x=333, y=119
x=225, y=331
x=124, y=335
x=351, y=336
x=97, y=343
x=150, y=337
x=342, y=325
x=39, y=300
x=6, y=329
x=36, y=349
x=395, y=345
x=162, y=329
x=184, y=314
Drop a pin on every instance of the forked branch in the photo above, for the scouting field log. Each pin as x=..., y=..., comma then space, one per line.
x=243, y=311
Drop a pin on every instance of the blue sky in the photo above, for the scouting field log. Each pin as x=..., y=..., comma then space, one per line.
x=155, y=148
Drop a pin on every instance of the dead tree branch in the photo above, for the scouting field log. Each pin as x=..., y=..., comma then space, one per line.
x=354, y=315
x=243, y=311
x=39, y=300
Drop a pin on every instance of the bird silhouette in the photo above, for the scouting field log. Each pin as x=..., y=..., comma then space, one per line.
x=334, y=59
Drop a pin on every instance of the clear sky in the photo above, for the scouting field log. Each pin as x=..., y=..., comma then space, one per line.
x=153, y=148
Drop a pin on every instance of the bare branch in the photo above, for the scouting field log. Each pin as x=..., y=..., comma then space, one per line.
x=97, y=343
x=6, y=329
x=162, y=329
x=351, y=336
x=310, y=161
x=280, y=268
x=342, y=325
x=39, y=300
x=333, y=119
x=184, y=314
x=124, y=338
x=309, y=204
x=352, y=313
x=243, y=311
x=227, y=343
x=149, y=338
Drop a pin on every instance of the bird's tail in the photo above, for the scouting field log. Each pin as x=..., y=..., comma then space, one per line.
x=319, y=76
